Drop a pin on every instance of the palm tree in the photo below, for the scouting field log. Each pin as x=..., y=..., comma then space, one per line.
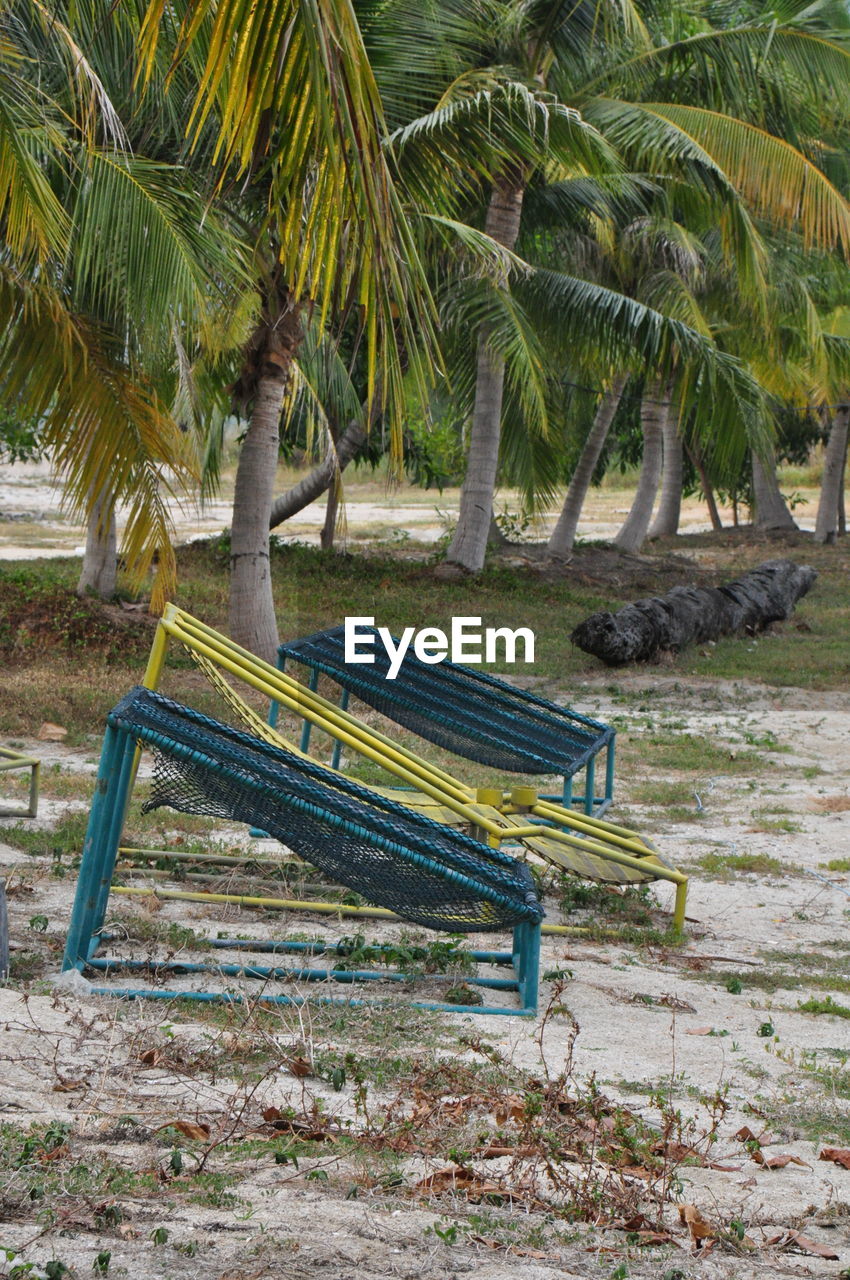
x=830, y=506
x=301, y=130
x=615, y=76
x=105, y=250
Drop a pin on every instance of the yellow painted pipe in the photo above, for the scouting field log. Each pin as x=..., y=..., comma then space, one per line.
x=183, y=626
x=242, y=900
x=323, y=908
x=458, y=799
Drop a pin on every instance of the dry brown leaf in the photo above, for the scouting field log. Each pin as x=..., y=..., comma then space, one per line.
x=460, y=1179
x=838, y=1155
x=510, y=1108
x=150, y=1057
x=189, y=1129
x=677, y=1151
x=795, y=1240
x=745, y=1134
x=778, y=1162
x=299, y=1067
x=68, y=1086
x=698, y=1228
x=51, y=732
x=698, y=1031
x=58, y=1153
x=305, y=1129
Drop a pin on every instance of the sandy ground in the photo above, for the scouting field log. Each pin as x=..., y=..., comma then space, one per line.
x=647, y=1021
x=650, y=1020
x=32, y=524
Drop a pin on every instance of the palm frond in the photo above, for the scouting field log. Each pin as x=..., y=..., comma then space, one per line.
x=732, y=68
x=33, y=220
x=104, y=425
x=291, y=86
x=146, y=249
x=775, y=179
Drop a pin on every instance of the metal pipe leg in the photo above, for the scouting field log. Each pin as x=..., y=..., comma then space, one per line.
x=98, y=860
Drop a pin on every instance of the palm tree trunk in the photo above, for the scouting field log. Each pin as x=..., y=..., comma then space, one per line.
x=653, y=410
x=263, y=383
x=563, y=535
x=707, y=490
x=666, y=522
x=314, y=484
x=99, y=576
x=769, y=509
x=326, y=537
x=842, y=512
x=832, y=484
x=469, y=544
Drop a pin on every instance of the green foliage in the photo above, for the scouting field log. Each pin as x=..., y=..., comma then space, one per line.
x=19, y=438
x=826, y=1005
x=433, y=452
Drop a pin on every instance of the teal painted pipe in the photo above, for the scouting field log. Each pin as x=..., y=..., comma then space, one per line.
x=213, y=997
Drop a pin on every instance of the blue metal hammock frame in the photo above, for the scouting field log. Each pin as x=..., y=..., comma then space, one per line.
x=465, y=885
x=470, y=713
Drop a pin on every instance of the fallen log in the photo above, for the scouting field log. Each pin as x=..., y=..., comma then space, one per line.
x=690, y=615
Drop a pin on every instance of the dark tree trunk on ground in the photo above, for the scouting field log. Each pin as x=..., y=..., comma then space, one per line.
x=99, y=574
x=690, y=615
x=469, y=544
x=832, y=484
x=314, y=484
x=564, y=534
x=770, y=510
x=653, y=410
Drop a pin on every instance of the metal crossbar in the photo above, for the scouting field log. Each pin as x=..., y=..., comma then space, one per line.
x=11, y=760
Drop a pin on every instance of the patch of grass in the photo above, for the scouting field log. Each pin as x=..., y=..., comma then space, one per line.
x=661, y=794
x=41, y=612
x=837, y=864
x=766, y=741
x=688, y=754
x=724, y=865
x=766, y=821
x=64, y=841
x=628, y=915
x=789, y=971
x=826, y=1005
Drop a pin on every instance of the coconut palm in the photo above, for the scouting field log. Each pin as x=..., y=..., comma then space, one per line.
x=105, y=252
x=621, y=82
x=300, y=130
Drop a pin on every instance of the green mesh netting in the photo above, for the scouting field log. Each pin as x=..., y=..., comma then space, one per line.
x=427, y=873
x=470, y=713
